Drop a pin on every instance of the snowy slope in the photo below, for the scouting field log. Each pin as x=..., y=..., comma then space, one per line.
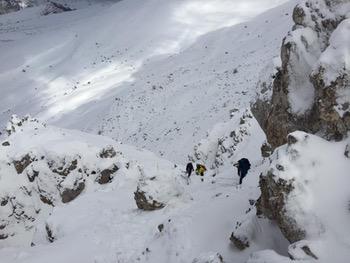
x=103, y=223
x=185, y=95
x=108, y=80
x=160, y=75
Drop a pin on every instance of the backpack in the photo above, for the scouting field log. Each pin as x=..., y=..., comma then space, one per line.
x=244, y=163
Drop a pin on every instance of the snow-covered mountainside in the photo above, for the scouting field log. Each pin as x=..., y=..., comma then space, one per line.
x=123, y=94
x=141, y=78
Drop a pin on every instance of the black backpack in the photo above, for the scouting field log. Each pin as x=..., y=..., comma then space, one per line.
x=244, y=164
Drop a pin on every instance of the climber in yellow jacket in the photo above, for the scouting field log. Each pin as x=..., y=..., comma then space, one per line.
x=200, y=169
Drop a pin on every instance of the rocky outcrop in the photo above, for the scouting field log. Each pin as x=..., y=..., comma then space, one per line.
x=8, y=6
x=295, y=186
x=311, y=86
x=226, y=139
x=55, y=8
x=49, y=7
x=51, y=167
x=272, y=202
x=274, y=196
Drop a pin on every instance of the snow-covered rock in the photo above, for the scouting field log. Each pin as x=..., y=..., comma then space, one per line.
x=42, y=167
x=55, y=8
x=7, y=6
x=209, y=258
x=306, y=193
x=155, y=191
x=227, y=139
x=310, y=90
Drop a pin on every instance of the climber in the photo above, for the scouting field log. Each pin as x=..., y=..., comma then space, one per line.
x=200, y=169
x=189, y=169
x=243, y=165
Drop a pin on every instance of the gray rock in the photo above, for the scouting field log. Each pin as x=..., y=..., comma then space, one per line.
x=22, y=164
x=271, y=204
x=6, y=143
x=55, y=8
x=276, y=116
x=347, y=151
x=146, y=202
x=108, y=152
x=70, y=194
x=266, y=150
x=106, y=175
x=65, y=168
x=49, y=234
x=240, y=242
x=298, y=15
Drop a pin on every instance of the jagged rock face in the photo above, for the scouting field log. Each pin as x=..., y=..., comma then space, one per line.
x=310, y=89
x=274, y=196
x=296, y=192
x=39, y=170
x=272, y=205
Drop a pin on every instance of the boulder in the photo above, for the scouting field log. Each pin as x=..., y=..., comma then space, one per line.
x=70, y=194
x=146, y=202
x=106, y=175
x=239, y=241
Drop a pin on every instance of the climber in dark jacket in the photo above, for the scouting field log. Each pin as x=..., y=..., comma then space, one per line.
x=189, y=169
x=243, y=165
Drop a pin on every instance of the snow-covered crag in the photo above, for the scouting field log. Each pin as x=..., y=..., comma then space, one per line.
x=302, y=190
x=222, y=144
x=311, y=88
x=307, y=195
x=7, y=6
x=42, y=167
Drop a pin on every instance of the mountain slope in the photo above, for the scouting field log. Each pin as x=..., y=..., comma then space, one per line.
x=62, y=73
x=176, y=78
